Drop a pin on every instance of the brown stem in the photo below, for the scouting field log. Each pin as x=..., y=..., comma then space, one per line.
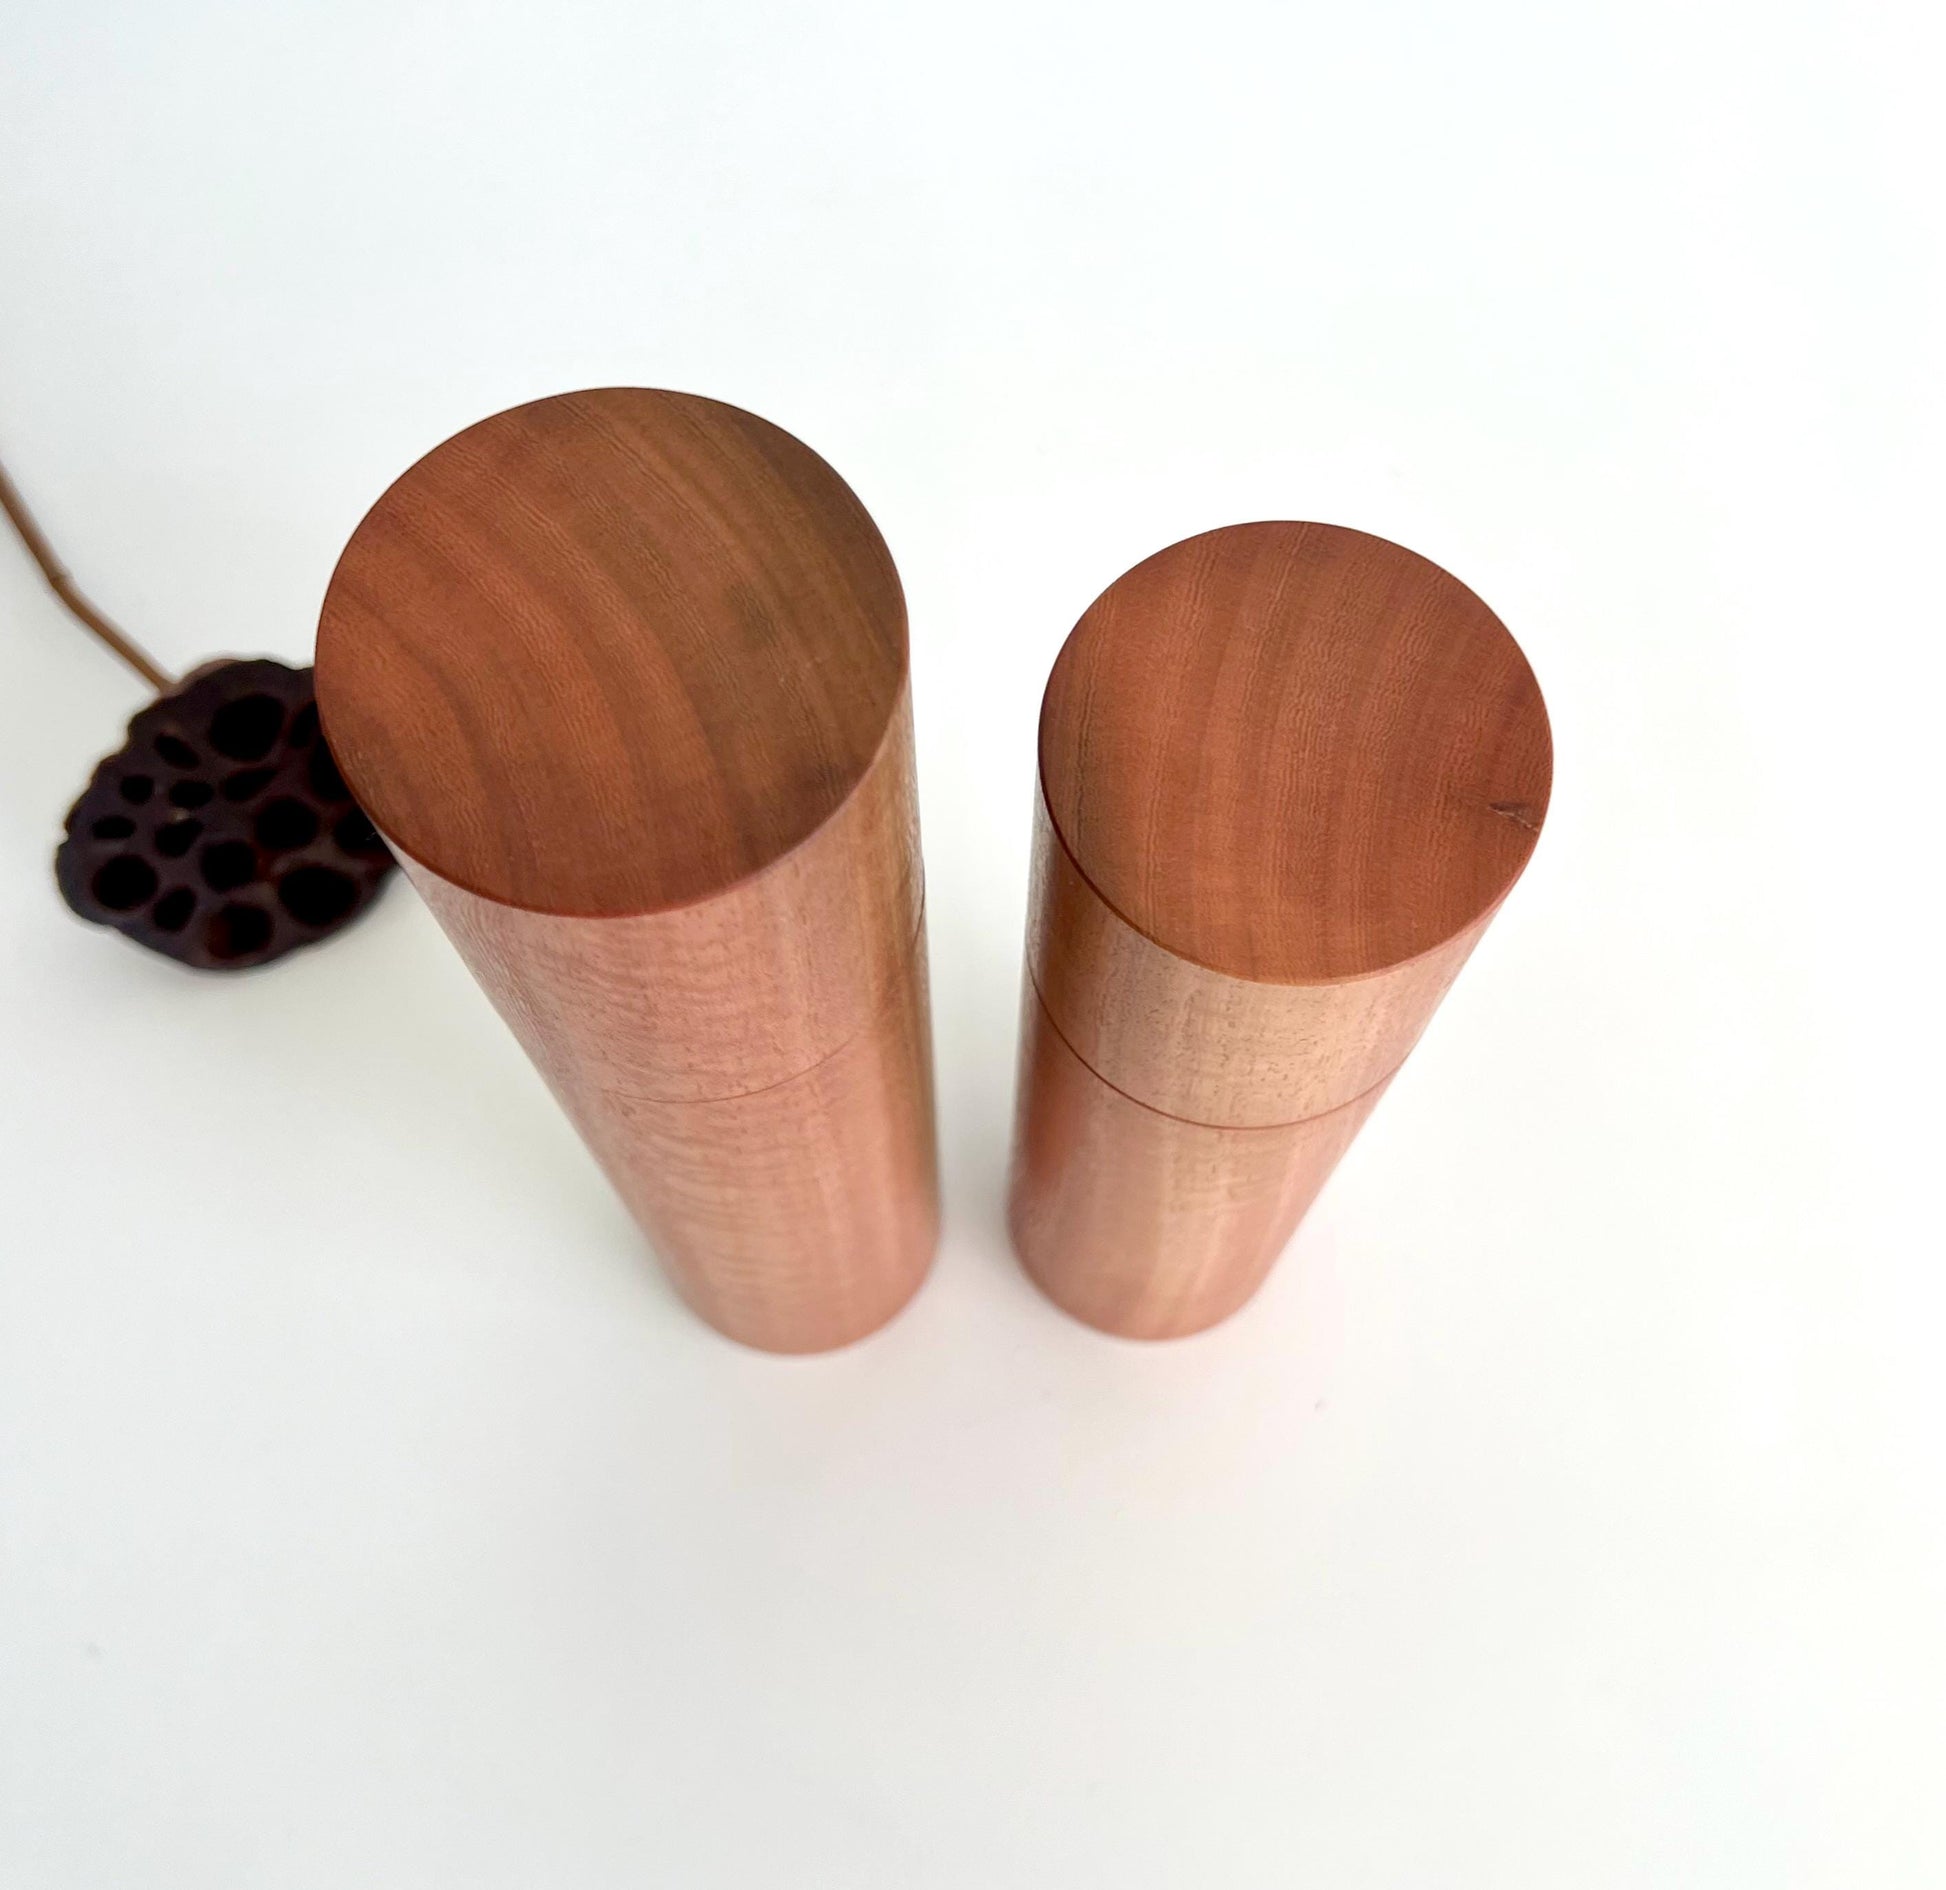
x=63, y=587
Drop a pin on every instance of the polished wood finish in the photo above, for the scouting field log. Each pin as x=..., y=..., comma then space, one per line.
x=726, y=995
x=622, y=678
x=1141, y=1223
x=1292, y=753
x=611, y=652
x=795, y=1214
x=1190, y=1042
x=1288, y=774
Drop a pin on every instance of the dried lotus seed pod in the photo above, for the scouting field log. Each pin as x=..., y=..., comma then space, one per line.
x=221, y=833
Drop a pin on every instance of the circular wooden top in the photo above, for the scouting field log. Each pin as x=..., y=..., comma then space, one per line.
x=1294, y=753
x=611, y=652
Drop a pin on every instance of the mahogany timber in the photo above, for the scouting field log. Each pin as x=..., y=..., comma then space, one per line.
x=622, y=677
x=1288, y=774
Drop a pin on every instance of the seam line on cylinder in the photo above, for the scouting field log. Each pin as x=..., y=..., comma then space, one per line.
x=887, y=998
x=1193, y=1122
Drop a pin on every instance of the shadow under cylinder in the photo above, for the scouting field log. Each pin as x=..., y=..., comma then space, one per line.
x=1288, y=772
x=622, y=678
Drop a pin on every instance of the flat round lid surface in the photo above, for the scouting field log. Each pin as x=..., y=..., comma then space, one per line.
x=611, y=652
x=1294, y=753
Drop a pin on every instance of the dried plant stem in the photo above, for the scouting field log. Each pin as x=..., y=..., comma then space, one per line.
x=63, y=587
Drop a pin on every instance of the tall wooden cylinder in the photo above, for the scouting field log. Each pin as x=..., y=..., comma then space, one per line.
x=621, y=676
x=1288, y=773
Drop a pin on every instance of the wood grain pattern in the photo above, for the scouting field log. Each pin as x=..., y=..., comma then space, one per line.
x=1140, y=1223
x=1233, y=1052
x=795, y=1215
x=1293, y=753
x=727, y=995
x=611, y=652
x=1289, y=773
x=622, y=678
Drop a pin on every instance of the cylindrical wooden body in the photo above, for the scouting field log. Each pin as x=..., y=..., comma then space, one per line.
x=622, y=678
x=1288, y=773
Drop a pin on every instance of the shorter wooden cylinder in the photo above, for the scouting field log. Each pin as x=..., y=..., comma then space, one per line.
x=621, y=676
x=1288, y=773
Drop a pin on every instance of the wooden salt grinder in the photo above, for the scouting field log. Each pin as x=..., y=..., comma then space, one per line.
x=621, y=677
x=1288, y=773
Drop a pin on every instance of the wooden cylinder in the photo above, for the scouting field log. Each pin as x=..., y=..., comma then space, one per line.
x=1288, y=773
x=622, y=678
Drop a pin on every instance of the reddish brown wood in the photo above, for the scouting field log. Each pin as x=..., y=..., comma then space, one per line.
x=622, y=678
x=1288, y=774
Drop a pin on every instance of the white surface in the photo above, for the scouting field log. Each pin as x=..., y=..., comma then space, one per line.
x=1568, y=1510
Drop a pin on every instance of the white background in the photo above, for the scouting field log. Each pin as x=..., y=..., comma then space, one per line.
x=1567, y=1512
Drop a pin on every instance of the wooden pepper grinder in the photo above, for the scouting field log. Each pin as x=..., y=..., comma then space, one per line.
x=621, y=676
x=1288, y=773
